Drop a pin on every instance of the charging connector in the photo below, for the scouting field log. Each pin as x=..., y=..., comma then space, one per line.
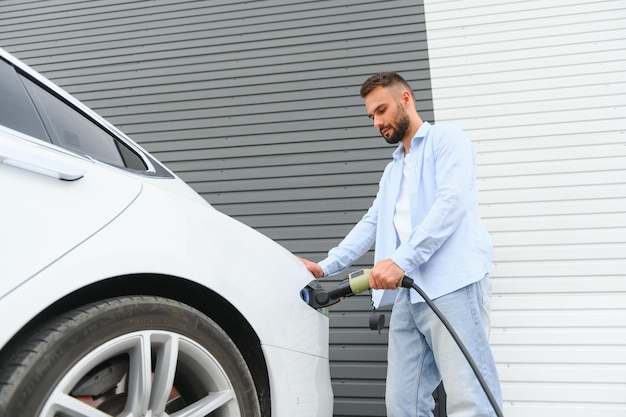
x=317, y=297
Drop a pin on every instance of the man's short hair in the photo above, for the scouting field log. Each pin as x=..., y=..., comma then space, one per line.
x=384, y=79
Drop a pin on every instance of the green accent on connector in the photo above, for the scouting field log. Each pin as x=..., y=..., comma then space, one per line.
x=360, y=281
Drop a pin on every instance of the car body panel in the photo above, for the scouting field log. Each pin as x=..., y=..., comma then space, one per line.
x=309, y=392
x=47, y=216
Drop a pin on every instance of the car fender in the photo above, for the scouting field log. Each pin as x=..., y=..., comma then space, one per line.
x=256, y=275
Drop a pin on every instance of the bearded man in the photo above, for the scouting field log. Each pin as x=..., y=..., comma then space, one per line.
x=425, y=224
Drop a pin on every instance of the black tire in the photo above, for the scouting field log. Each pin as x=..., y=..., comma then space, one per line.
x=132, y=354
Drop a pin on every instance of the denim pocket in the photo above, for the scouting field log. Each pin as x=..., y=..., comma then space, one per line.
x=486, y=290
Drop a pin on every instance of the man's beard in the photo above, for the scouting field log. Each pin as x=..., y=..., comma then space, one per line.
x=399, y=128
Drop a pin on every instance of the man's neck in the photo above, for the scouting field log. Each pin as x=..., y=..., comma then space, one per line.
x=416, y=123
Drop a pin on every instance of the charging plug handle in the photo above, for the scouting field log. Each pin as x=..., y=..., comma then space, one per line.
x=356, y=283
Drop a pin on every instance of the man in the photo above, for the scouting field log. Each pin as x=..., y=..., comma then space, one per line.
x=425, y=223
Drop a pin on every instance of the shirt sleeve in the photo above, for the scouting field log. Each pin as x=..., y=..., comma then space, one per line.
x=454, y=176
x=354, y=245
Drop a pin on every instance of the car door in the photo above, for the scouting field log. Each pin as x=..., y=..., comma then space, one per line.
x=63, y=176
x=51, y=202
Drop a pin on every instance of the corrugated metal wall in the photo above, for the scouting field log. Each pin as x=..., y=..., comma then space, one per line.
x=541, y=88
x=256, y=105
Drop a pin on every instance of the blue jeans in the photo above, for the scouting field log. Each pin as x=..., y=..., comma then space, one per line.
x=422, y=353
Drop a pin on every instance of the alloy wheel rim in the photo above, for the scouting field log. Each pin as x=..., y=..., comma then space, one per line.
x=162, y=368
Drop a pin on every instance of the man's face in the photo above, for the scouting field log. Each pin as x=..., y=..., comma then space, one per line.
x=388, y=114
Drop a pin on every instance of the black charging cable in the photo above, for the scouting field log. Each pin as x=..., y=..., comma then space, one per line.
x=408, y=283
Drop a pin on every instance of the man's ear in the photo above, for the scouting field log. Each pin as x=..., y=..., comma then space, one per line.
x=406, y=98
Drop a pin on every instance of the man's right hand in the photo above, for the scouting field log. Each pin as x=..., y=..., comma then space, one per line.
x=313, y=268
x=386, y=275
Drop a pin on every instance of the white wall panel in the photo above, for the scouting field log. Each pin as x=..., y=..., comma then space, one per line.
x=540, y=87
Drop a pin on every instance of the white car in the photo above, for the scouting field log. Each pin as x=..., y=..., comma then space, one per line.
x=124, y=293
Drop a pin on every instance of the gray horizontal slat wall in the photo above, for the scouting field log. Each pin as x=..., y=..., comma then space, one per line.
x=256, y=105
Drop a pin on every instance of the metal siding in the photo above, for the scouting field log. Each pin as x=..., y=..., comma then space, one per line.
x=540, y=87
x=256, y=105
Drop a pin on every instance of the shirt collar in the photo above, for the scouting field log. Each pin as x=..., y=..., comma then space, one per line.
x=420, y=134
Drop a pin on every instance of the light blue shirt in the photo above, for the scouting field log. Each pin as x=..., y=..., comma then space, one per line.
x=449, y=247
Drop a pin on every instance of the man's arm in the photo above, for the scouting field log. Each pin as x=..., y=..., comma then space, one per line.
x=358, y=241
x=454, y=176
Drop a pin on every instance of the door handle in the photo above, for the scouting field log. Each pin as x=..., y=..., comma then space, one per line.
x=41, y=165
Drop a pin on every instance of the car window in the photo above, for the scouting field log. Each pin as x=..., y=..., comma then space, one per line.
x=70, y=129
x=17, y=110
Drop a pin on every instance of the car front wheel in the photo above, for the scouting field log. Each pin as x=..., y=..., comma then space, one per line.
x=128, y=356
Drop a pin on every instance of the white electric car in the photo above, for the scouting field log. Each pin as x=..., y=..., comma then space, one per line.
x=124, y=293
